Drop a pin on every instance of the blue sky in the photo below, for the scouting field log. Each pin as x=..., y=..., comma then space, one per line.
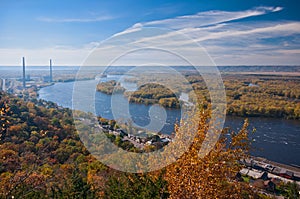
x=233, y=32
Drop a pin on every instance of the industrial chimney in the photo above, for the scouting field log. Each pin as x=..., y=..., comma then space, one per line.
x=24, y=80
x=50, y=77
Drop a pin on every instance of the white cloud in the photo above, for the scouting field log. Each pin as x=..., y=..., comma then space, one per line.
x=290, y=51
x=277, y=9
x=204, y=25
x=135, y=28
x=79, y=20
x=200, y=21
x=209, y=18
x=266, y=32
x=227, y=39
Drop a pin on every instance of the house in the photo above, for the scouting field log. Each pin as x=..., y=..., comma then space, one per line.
x=149, y=142
x=257, y=166
x=247, y=162
x=165, y=140
x=255, y=174
x=106, y=127
x=253, y=85
x=244, y=171
x=116, y=133
x=268, y=167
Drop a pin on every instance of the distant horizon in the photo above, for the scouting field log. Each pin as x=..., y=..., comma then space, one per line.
x=152, y=66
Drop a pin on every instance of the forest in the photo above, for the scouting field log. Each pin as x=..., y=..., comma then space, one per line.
x=247, y=95
x=42, y=156
x=256, y=95
x=110, y=87
x=154, y=94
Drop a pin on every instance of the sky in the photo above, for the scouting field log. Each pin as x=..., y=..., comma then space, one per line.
x=231, y=32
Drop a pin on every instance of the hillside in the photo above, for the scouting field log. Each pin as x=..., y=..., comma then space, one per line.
x=41, y=156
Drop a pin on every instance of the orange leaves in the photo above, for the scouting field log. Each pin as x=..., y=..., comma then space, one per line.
x=211, y=176
x=15, y=128
x=36, y=180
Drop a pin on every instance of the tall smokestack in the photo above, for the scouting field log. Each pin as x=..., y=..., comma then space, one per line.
x=24, y=80
x=50, y=79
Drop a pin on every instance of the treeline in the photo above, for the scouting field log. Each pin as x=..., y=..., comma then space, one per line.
x=153, y=93
x=110, y=87
x=41, y=156
x=256, y=95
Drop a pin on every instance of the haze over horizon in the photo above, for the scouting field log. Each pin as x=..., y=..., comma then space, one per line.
x=232, y=32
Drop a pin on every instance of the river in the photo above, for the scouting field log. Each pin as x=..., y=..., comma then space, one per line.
x=275, y=139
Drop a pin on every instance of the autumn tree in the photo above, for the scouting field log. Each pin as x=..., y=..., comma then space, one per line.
x=212, y=176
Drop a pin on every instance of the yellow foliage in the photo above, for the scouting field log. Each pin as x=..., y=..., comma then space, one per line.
x=212, y=176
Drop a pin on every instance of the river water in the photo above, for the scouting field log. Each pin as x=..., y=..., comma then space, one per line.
x=274, y=139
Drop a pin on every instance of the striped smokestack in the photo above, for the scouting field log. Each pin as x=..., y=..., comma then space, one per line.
x=24, y=80
x=50, y=77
